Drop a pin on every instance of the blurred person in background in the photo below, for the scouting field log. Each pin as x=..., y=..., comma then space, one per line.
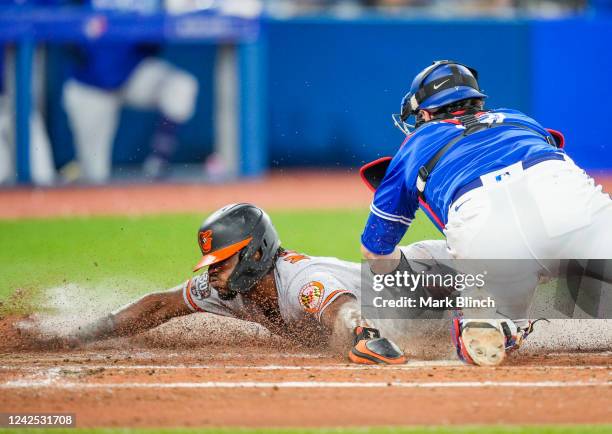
x=110, y=75
x=437, y=7
x=42, y=168
x=459, y=7
x=485, y=7
x=287, y=8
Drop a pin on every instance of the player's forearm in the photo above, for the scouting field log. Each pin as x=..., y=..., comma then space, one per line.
x=341, y=318
x=146, y=313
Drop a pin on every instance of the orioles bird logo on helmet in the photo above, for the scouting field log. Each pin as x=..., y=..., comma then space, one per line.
x=206, y=241
x=239, y=229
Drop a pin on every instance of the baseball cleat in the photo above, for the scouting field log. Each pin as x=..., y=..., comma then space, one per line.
x=484, y=343
x=517, y=331
x=371, y=349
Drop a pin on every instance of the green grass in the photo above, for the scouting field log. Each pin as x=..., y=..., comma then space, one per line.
x=541, y=429
x=148, y=253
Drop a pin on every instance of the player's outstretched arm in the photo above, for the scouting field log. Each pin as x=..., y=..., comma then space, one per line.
x=143, y=314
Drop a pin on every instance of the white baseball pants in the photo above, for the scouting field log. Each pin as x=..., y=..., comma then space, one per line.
x=42, y=168
x=552, y=210
x=93, y=113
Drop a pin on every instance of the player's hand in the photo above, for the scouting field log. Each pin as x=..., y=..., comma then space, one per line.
x=371, y=349
x=33, y=336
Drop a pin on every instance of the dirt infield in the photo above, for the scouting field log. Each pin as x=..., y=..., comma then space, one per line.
x=259, y=387
x=280, y=190
x=248, y=378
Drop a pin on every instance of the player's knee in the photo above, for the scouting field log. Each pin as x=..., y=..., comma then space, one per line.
x=178, y=96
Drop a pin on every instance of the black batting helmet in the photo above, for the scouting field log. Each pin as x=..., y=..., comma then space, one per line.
x=242, y=228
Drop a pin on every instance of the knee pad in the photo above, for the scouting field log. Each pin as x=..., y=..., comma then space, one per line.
x=178, y=96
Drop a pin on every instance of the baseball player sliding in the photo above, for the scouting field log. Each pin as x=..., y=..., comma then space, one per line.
x=249, y=276
x=498, y=185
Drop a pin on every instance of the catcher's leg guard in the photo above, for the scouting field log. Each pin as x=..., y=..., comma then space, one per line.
x=479, y=342
x=371, y=349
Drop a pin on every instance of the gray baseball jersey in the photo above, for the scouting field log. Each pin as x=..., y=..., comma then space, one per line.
x=306, y=285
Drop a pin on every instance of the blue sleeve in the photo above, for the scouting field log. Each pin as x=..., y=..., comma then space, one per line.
x=107, y=65
x=392, y=210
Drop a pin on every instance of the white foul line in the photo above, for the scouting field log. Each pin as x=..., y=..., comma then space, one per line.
x=26, y=384
x=407, y=367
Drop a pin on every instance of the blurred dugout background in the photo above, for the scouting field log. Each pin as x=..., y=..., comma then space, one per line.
x=126, y=89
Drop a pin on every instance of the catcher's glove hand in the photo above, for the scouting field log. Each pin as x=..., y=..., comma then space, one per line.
x=371, y=349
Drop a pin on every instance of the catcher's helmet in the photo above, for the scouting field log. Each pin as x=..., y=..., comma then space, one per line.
x=242, y=228
x=442, y=83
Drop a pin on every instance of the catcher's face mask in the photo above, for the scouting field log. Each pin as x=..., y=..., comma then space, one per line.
x=440, y=84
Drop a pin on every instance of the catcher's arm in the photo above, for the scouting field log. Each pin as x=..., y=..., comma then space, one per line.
x=143, y=314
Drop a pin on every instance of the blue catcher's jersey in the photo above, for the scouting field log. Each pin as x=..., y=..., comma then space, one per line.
x=396, y=199
x=107, y=65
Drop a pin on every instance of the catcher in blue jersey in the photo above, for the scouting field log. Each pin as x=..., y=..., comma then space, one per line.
x=496, y=183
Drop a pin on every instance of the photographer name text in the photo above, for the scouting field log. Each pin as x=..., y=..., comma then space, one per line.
x=435, y=303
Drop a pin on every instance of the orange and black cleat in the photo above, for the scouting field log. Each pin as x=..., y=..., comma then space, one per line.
x=371, y=349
